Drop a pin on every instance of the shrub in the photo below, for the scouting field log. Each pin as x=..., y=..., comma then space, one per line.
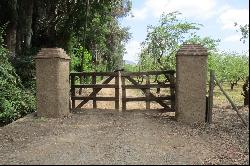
x=15, y=101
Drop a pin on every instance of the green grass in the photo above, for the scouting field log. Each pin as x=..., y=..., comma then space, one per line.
x=235, y=94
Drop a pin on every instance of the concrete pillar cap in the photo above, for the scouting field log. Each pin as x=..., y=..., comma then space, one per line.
x=192, y=50
x=50, y=53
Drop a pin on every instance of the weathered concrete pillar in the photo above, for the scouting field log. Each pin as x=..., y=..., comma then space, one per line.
x=191, y=75
x=52, y=82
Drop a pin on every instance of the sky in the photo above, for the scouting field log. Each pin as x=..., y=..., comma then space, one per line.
x=217, y=17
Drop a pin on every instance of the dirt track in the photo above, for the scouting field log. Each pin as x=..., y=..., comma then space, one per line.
x=138, y=137
x=107, y=137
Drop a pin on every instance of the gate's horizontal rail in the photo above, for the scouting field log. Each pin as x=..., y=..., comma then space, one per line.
x=127, y=99
x=94, y=74
x=120, y=96
x=96, y=86
x=148, y=86
x=94, y=98
x=124, y=74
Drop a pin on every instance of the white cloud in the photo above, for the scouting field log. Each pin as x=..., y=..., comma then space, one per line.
x=189, y=8
x=232, y=38
x=230, y=16
x=133, y=49
x=139, y=14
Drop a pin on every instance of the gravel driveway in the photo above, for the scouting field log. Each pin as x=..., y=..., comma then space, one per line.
x=110, y=137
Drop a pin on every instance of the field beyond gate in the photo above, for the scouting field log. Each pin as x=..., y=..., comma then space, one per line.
x=145, y=82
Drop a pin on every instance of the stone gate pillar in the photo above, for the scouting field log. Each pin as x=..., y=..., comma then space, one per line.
x=52, y=82
x=191, y=74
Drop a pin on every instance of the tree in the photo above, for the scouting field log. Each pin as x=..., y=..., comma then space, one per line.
x=244, y=29
x=209, y=43
x=235, y=68
x=163, y=40
x=211, y=46
x=229, y=67
x=108, y=40
x=87, y=29
x=9, y=16
x=65, y=23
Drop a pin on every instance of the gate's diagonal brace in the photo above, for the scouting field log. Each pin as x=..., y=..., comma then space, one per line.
x=95, y=92
x=150, y=94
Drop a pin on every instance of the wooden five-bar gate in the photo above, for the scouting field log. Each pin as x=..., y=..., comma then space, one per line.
x=121, y=84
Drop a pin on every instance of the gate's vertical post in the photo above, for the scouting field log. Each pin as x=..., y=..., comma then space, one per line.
x=52, y=82
x=120, y=91
x=147, y=92
x=123, y=94
x=117, y=90
x=73, y=91
x=172, y=91
x=94, y=83
x=191, y=75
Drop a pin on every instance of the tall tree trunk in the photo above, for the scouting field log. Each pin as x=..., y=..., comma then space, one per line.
x=11, y=28
x=84, y=34
x=84, y=42
x=11, y=38
x=245, y=93
x=24, y=32
x=232, y=86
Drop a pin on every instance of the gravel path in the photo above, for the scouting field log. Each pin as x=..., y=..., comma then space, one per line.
x=134, y=137
x=108, y=137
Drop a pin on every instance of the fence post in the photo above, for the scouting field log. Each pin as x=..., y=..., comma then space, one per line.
x=94, y=83
x=210, y=97
x=52, y=81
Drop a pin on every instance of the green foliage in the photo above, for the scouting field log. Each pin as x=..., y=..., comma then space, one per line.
x=229, y=67
x=92, y=24
x=209, y=43
x=76, y=56
x=164, y=40
x=101, y=36
x=244, y=29
x=106, y=38
x=15, y=102
x=130, y=68
x=147, y=62
x=25, y=68
x=88, y=30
